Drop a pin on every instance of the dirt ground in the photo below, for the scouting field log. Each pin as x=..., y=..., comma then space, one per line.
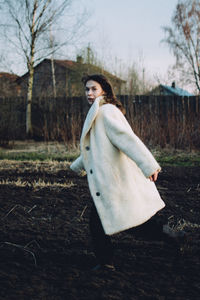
x=45, y=248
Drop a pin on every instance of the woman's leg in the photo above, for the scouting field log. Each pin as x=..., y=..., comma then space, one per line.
x=155, y=230
x=102, y=245
x=150, y=230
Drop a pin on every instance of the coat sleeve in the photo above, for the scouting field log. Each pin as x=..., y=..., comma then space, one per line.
x=122, y=136
x=77, y=165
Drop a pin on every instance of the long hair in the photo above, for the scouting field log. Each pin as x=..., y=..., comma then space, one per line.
x=106, y=87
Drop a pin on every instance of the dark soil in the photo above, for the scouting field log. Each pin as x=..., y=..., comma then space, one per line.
x=45, y=249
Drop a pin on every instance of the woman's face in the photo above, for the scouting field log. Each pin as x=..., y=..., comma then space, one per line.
x=93, y=90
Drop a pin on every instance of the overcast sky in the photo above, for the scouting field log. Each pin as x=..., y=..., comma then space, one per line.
x=126, y=30
x=131, y=28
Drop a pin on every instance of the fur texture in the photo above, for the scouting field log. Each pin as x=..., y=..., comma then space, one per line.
x=118, y=165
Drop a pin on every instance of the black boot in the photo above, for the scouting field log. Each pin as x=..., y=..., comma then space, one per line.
x=174, y=236
x=108, y=267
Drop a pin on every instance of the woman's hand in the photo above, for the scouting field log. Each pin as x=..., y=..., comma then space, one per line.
x=154, y=176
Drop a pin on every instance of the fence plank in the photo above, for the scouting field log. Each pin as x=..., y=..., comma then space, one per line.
x=158, y=120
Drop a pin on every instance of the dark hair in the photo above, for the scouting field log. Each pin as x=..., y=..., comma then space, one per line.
x=106, y=87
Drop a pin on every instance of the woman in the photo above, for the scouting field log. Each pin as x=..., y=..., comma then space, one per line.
x=121, y=172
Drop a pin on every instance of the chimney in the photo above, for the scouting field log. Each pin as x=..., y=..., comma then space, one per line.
x=173, y=85
x=79, y=59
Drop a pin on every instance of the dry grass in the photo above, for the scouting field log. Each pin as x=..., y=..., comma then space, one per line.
x=36, y=184
x=50, y=167
x=39, y=147
x=181, y=224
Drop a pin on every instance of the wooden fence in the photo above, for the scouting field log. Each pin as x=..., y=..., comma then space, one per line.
x=157, y=120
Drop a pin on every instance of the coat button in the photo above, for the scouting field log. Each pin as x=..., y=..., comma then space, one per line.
x=87, y=148
x=97, y=194
x=91, y=171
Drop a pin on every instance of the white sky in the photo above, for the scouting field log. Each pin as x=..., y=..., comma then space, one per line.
x=127, y=30
x=132, y=27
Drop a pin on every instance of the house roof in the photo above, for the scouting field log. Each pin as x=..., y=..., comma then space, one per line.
x=74, y=65
x=9, y=76
x=174, y=90
x=70, y=64
x=64, y=63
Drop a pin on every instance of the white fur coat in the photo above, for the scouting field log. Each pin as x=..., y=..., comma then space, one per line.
x=118, y=165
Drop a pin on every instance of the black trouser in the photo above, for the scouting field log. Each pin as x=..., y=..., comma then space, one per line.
x=102, y=245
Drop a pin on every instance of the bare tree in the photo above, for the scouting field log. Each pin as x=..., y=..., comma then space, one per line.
x=184, y=39
x=27, y=25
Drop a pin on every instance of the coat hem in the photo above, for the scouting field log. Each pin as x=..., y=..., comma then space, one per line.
x=132, y=226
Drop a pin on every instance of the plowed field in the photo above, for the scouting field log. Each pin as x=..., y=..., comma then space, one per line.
x=45, y=248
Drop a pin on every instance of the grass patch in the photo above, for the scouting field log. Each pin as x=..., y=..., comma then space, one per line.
x=164, y=158
x=39, y=151
x=178, y=158
x=34, y=156
x=54, y=151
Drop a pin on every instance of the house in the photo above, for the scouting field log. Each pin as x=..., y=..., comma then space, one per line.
x=67, y=76
x=8, y=85
x=172, y=90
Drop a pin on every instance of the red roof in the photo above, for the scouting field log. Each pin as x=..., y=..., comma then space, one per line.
x=65, y=63
x=71, y=65
x=10, y=76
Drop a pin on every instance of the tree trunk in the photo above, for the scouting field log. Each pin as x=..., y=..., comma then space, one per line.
x=29, y=129
x=53, y=77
